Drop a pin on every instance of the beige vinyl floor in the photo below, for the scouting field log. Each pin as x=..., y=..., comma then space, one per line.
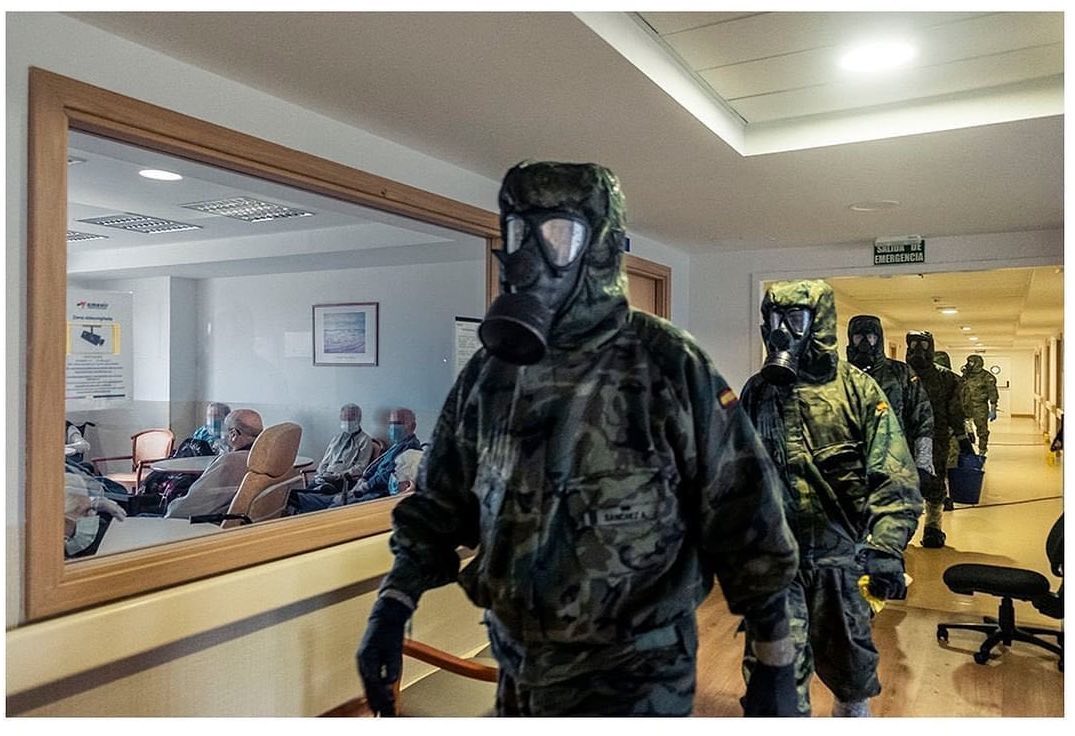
x=1021, y=498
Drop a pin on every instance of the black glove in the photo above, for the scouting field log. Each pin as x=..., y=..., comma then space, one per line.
x=925, y=480
x=966, y=447
x=886, y=575
x=771, y=692
x=380, y=655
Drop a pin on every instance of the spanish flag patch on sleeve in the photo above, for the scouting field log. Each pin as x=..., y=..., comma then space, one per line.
x=882, y=407
x=727, y=398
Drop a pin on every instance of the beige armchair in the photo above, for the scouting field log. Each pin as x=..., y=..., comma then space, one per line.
x=270, y=476
x=147, y=447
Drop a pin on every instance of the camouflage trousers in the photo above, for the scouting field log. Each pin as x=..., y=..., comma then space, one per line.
x=830, y=627
x=980, y=417
x=652, y=676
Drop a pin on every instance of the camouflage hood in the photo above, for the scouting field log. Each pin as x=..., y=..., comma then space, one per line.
x=941, y=358
x=818, y=361
x=598, y=304
x=975, y=364
x=866, y=324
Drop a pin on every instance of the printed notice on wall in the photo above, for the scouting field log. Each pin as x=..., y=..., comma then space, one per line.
x=100, y=365
x=466, y=340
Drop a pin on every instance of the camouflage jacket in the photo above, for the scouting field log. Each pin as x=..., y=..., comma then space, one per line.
x=945, y=389
x=603, y=488
x=849, y=473
x=906, y=396
x=979, y=391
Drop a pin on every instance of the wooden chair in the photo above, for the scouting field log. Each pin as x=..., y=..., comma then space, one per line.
x=270, y=476
x=147, y=447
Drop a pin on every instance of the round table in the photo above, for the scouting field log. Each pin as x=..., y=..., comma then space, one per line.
x=197, y=465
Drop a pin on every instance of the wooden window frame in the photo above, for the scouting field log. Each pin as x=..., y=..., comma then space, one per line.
x=59, y=104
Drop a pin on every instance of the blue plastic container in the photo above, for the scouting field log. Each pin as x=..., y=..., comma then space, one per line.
x=965, y=480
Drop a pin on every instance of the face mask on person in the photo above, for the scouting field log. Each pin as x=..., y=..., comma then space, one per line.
x=974, y=364
x=350, y=426
x=540, y=264
x=789, y=334
x=396, y=433
x=920, y=350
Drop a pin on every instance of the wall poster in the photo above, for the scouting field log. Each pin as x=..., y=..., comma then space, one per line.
x=466, y=341
x=100, y=364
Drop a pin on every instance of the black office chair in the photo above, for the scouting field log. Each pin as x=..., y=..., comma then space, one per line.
x=1008, y=583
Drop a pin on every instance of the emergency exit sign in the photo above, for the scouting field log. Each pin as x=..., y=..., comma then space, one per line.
x=894, y=251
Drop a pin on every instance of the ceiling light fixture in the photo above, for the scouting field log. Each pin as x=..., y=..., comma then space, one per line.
x=948, y=310
x=965, y=328
x=972, y=338
x=160, y=175
x=877, y=56
x=874, y=205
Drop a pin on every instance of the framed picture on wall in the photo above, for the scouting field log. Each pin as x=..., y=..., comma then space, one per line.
x=346, y=334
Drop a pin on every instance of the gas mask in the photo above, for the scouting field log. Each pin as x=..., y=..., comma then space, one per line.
x=974, y=365
x=552, y=216
x=865, y=341
x=350, y=418
x=920, y=350
x=788, y=336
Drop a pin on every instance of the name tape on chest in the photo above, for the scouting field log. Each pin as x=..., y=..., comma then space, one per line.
x=623, y=514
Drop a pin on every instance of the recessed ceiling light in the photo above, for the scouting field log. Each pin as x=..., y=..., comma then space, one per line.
x=972, y=338
x=948, y=310
x=965, y=328
x=160, y=175
x=874, y=206
x=877, y=56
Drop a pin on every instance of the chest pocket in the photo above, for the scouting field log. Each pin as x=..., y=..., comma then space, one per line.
x=843, y=468
x=627, y=522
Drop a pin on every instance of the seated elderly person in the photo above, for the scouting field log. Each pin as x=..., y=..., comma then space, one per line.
x=87, y=511
x=215, y=488
x=378, y=480
x=347, y=455
x=212, y=432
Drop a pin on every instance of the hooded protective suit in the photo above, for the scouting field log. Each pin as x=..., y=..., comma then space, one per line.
x=603, y=486
x=941, y=358
x=851, y=497
x=980, y=398
x=905, y=392
x=943, y=388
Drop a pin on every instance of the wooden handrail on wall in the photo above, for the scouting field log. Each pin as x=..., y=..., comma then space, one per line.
x=449, y=662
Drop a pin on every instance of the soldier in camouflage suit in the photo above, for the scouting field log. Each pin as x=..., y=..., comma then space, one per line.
x=980, y=398
x=852, y=491
x=943, y=388
x=941, y=358
x=603, y=486
x=906, y=396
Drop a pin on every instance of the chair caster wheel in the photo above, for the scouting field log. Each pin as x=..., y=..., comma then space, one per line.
x=942, y=633
x=981, y=658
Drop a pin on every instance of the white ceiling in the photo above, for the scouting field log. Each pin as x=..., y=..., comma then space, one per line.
x=776, y=66
x=485, y=90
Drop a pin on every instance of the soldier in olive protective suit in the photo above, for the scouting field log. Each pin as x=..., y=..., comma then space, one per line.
x=906, y=395
x=941, y=358
x=603, y=470
x=943, y=388
x=852, y=490
x=980, y=398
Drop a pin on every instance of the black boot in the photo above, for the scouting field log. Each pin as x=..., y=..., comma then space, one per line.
x=933, y=538
x=948, y=505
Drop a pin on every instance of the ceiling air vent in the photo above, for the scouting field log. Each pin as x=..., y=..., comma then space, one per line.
x=247, y=209
x=74, y=236
x=136, y=223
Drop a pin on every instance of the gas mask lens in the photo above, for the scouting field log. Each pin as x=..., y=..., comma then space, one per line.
x=857, y=339
x=563, y=238
x=918, y=345
x=797, y=319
